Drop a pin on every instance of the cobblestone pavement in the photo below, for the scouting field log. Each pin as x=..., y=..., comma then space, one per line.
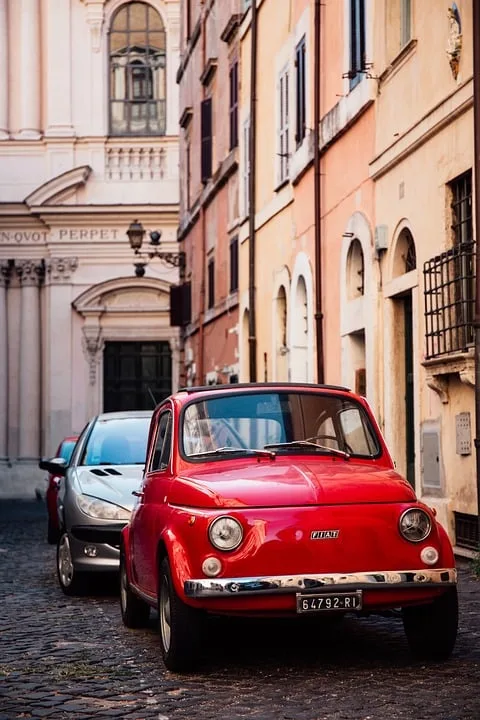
x=72, y=658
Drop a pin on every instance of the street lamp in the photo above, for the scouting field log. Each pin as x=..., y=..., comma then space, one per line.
x=136, y=233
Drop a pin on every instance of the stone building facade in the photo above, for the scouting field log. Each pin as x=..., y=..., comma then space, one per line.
x=88, y=144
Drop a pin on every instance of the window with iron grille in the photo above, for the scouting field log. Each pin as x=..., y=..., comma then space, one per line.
x=234, y=264
x=206, y=134
x=211, y=284
x=449, y=280
x=137, y=58
x=466, y=531
x=357, y=41
x=283, y=125
x=301, y=85
x=233, y=108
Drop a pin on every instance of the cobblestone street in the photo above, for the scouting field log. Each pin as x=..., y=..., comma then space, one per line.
x=72, y=658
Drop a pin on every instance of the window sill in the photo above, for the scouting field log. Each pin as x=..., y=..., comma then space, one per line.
x=281, y=185
x=405, y=53
x=439, y=369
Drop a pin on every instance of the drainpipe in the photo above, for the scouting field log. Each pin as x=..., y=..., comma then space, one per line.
x=317, y=196
x=252, y=139
x=201, y=320
x=476, y=124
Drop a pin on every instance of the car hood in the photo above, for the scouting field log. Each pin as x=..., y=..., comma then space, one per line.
x=114, y=484
x=281, y=484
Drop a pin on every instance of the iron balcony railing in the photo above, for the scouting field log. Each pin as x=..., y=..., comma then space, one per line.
x=449, y=289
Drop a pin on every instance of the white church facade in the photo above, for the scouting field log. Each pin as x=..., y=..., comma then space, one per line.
x=88, y=145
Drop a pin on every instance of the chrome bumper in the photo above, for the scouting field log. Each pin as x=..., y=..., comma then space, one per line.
x=381, y=580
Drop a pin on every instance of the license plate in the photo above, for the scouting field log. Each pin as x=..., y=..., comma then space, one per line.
x=329, y=602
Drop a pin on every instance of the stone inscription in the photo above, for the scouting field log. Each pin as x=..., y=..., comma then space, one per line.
x=23, y=236
x=12, y=237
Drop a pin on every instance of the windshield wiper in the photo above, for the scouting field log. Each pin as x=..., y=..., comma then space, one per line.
x=307, y=445
x=229, y=449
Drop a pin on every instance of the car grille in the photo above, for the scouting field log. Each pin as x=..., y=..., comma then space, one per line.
x=103, y=535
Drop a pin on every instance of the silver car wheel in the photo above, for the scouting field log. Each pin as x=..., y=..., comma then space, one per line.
x=123, y=588
x=164, y=609
x=65, y=564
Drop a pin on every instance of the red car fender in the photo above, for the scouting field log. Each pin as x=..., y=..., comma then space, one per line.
x=447, y=555
x=173, y=546
x=125, y=548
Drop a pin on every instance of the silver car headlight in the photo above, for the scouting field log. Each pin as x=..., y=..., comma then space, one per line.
x=415, y=525
x=101, y=510
x=225, y=533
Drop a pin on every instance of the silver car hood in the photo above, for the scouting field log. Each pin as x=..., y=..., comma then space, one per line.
x=113, y=483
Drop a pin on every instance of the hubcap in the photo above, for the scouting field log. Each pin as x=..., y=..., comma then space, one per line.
x=165, y=614
x=65, y=564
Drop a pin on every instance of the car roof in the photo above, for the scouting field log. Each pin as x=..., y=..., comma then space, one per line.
x=125, y=415
x=263, y=385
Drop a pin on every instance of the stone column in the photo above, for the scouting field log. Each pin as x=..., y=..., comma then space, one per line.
x=57, y=352
x=4, y=69
x=30, y=273
x=4, y=278
x=29, y=50
x=58, y=69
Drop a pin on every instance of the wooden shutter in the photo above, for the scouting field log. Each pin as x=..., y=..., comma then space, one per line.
x=206, y=130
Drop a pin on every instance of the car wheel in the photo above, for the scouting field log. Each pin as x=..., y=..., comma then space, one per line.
x=71, y=581
x=431, y=629
x=52, y=533
x=135, y=612
x=180, y=625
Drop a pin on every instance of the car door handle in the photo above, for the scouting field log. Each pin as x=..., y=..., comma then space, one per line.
x=137, y=493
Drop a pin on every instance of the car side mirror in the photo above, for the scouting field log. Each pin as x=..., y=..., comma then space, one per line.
x=55, y=466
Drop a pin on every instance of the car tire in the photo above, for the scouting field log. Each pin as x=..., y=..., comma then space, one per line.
x=53, y=533
x=135, y=611
x=180, y=625
x=431, y=629
x=70, y=580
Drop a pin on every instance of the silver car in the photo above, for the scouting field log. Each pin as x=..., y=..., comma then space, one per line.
x=96, y=495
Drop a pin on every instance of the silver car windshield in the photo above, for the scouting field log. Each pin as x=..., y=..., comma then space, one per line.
x=292, y=422
x=119, y=441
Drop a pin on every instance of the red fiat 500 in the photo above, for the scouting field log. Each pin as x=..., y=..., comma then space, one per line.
x=280, y=499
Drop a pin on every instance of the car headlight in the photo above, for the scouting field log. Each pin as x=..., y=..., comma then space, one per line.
x=415, y=525
x=225, y=533
x=101, y=510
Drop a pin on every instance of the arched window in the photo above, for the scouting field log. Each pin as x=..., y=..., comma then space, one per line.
x=137, y=52
x=355, y=270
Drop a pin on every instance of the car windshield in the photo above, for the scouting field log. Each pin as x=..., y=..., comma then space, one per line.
x=117, y=441
x=293, y=422
x=66, y=449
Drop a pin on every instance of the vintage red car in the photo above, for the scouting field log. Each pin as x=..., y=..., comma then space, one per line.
x=280, y=498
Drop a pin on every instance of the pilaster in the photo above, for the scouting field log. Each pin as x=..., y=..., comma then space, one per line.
x=30, y=274
x=29, y=90
x=4, y=280
x=4, y=70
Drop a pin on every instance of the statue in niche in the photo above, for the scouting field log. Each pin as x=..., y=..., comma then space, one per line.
x=454, y=47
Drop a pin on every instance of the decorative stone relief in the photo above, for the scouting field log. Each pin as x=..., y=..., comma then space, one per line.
x=5, y=271
x=454, y=47
x=92, y=345
x=95, y=18
x=30, y=272
x=59, y=270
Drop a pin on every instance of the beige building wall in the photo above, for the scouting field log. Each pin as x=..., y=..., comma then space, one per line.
x=424, y=141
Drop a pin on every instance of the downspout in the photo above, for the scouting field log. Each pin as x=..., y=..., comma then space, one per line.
x=252, y=139
x=201, y=319
x=317, y=196
x=476, y=124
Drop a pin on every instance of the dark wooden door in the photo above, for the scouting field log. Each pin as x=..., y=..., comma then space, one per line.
x=136, y=375
x=409, y=391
